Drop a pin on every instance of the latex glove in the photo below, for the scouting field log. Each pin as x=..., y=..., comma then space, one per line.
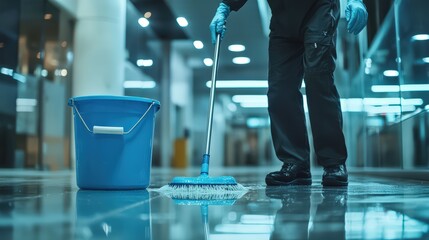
x=356, y=16
x=217, y=26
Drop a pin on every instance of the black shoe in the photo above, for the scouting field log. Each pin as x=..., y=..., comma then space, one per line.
x=335, y=176
x=290, y=174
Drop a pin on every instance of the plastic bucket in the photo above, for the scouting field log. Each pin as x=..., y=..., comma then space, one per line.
x=113, y=141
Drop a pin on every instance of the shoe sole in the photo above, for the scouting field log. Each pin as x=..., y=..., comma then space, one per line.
x=300, y=181
x=334, y=182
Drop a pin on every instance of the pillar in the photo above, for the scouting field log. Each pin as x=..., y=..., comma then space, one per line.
x=99, y=47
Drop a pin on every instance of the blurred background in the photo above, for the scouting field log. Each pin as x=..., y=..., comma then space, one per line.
x=51, y=50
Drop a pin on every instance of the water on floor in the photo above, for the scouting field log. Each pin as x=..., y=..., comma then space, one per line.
x=38, y=205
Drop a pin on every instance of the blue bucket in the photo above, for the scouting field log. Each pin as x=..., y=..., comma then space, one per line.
x=113, y=140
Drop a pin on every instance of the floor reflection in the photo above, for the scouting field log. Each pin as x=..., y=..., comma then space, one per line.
x=296, y=220
x=47, y=206
x=113, y=215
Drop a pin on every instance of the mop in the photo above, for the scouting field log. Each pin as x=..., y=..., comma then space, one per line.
x=204, y=185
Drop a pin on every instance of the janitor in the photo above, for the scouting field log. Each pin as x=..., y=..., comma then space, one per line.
x=302, y=45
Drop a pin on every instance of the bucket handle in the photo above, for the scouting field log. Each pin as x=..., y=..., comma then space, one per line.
x=109, y=129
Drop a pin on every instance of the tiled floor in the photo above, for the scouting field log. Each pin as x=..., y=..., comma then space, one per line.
x=35, y=205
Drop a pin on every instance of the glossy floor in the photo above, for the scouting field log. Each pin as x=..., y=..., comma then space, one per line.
x=37, y=205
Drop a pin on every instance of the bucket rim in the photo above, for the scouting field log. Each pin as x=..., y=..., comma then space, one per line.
x=113, y=97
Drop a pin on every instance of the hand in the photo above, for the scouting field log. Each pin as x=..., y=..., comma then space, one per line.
x=356, y=16
x=217, y=26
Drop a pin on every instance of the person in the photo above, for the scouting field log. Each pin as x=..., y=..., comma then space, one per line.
x=302, y=45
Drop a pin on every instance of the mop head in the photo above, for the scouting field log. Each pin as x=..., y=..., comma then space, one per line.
x=204, y=188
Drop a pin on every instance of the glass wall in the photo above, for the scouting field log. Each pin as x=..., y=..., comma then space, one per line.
x=395, y=86
x=41, y=75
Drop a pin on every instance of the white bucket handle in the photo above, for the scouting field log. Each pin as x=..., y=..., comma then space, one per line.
x=109, y=129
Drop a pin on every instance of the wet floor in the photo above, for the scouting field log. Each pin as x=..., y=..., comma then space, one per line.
x=35, y=205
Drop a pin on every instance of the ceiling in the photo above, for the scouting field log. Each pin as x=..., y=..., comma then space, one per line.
x=244, y=27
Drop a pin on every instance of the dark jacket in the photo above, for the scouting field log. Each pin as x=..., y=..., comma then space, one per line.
x=235, y=4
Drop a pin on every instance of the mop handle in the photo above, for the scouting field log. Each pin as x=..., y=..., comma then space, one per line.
x=212, y=94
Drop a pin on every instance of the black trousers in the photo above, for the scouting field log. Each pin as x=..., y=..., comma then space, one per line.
x=302, y=46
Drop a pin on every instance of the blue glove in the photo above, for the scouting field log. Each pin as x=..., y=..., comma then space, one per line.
x=217, y=26
x=356, y=16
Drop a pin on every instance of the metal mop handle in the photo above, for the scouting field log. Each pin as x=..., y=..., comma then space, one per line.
x=212, y=94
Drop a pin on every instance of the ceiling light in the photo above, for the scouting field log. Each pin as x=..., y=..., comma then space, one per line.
x=143, y=22
x=208, y=62
x=198, y=44
x=147, y=14
x=144, y=62
x=139, y=84
x=24, y=108
x=182, y=21
x=48, y=16
x=402, y=88
x=257, y=123
x=44, y=73
x=254, y=105
x=249, y=98
x=426, y=59
x=392, y=101
x=251, y=101
x=20, y=78
x=391, y=73
x=26, y=102
x=239, y=84
x=389, y=109
x=420, y=37
x=241, y=60
x=6, y=71
x=236, y=48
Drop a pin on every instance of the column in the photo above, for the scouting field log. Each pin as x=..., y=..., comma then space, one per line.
x=99, y=47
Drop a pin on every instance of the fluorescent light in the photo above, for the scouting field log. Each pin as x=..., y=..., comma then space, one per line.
x=250, y=236
x=254, y=104
x=6, y=71
x=249, y=98
x=243, y=228
x=420, y=37
x=257, y=219
x=392, y=101
x=182, y=21
x=143, y=22
x=385, y=88
x=198, y=44
x=426, y=59
x=241, y=60
x=20, y=108
x=236, y=48
x=20, y=78
x=256, y=123
x=139, y=84
x=402, y=88
x=389, y=109
x=26, y=102
x=414, y=87
x=208, y=62
x=391, y=73
x=144, y=62
x=251, y=101
x=239, y=84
